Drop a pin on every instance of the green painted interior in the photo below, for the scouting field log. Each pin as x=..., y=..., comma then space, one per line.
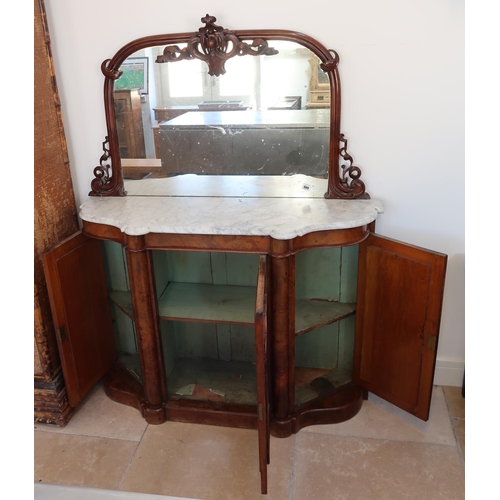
x=328, y=274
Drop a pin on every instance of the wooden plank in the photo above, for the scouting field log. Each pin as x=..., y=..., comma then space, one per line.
x=318, y=348
x=349, y=273
x=124, y=301
x=168, y=345
x=195, y=340
x=242, y=269
x=191, y=267
x=219, y=268
x=161, y=269
x=318, y=273
x=311, y=314
x=347, y=328
x=81, y=313
x=115, y=265
x=124, y=328
x=208, y=303
x=242, y=343
x=224, y=334
x=399, y=309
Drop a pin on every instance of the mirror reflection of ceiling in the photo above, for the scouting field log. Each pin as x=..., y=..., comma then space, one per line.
x=267, y=115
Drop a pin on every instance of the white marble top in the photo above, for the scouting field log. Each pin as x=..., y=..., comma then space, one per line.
x=246, y=211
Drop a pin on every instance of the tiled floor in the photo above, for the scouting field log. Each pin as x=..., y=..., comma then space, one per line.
x=383, y=453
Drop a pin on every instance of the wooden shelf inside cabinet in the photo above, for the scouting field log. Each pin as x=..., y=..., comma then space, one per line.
x=232, y=304
x=200, y=302
x=208, y=303
x=313, y=313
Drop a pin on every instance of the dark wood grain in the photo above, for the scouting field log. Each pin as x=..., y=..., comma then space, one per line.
x=76, y=283
x=400, y=292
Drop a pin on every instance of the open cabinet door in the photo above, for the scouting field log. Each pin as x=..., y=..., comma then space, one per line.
x=400, y=294
x=262, y=369
x=74, y=272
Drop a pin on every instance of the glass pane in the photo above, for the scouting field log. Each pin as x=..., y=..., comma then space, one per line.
x=185, y=79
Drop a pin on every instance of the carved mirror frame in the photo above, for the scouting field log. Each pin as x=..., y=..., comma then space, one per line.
x=215, y=45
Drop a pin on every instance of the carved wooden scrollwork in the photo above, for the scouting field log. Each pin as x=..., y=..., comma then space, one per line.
x=330, y=64
x=215, y=45
x=108, y=72
x=350, y=175
x=102, y=173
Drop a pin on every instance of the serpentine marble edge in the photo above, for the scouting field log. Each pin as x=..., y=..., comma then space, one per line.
x=279, y=217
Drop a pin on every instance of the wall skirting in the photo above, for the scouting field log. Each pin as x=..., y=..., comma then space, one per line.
x=449, y=372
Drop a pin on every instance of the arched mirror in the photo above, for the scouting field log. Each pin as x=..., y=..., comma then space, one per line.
x=220, y=102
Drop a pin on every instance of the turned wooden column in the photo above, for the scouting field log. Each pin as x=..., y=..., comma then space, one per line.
x=142, y=286
x=282, y=338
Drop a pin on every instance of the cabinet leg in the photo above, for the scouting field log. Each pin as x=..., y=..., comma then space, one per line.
x=282, y=346
x=142, y=285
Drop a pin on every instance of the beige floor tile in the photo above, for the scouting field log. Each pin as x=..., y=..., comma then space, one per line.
x=209, y=462
x=81, y=460
x=101, y=417
x=459, y=426
x=455, y=401
x=381, y=420
x=340, y=468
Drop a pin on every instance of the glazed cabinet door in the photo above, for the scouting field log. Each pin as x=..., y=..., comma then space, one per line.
x=400, y=294
x=262, y=369
x=74, y=271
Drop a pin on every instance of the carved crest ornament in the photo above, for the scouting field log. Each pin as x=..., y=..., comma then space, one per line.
x=215, y=45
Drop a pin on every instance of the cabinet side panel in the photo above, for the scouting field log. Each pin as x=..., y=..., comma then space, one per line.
x=347, y=328
x=349, y=273
x=115, y=266
x=169, y=346
x=318, y=348
x=124, y=329
x=161, y=270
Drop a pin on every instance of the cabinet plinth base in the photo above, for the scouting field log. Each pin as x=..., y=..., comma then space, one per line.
x=333, y=408
x=122, y=386
x=212, y=413
x=338, y=407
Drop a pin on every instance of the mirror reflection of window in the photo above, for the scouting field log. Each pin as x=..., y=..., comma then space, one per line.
x=239, y=79
x=186, y=79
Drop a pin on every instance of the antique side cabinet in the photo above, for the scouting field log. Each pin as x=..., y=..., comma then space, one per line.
x=253, y=299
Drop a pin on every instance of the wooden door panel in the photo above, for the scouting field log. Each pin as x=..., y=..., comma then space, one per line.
x=262, y=369
x=74, y=271
x=400, y=293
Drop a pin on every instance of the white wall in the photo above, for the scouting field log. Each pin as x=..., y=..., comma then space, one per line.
x=402, y=74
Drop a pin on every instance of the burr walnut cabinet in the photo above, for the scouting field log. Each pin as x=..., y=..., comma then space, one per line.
x=255, y=300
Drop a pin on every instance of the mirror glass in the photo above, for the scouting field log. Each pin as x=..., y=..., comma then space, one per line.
x=267, y=115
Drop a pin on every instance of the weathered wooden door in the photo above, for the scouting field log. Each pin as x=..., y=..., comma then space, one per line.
x=400, y=293
x=262, y=368
x=74, y=271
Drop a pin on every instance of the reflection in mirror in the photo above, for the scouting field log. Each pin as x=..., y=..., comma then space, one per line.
x=267, y=115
